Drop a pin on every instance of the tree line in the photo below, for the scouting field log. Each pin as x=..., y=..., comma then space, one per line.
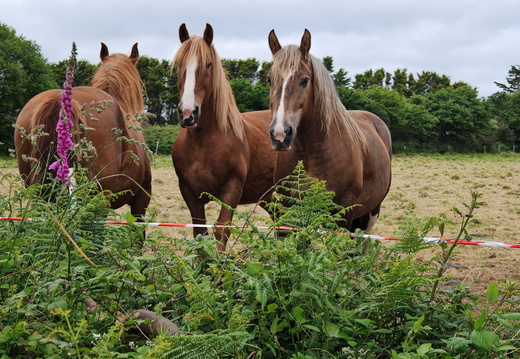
x=425, y=112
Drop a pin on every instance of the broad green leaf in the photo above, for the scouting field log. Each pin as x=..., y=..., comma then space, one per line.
x=424, y=348
x=506, y=347
x=150, y=242
x=331, y=329
x=281, y=326
x=480, y=321
x=311, y=327
x=484, y=339
x=417, y=323
x=254, y=267
x=271, y=308
x=298, y=315
x=364, y=322
x=511, y=316
x=492, y=292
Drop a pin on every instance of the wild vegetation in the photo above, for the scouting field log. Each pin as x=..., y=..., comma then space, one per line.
x=73, y=284
x=70, y=284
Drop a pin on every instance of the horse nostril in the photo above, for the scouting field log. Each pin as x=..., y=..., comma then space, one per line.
x=289, y=131
x=196, y=111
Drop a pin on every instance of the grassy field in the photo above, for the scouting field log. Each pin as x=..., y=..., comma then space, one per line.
x=422, y=187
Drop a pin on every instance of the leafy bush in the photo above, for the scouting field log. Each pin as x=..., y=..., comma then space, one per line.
x=70, y=281
x=160, y=138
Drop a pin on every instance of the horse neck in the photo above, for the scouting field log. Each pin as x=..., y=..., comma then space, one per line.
x=208, y=115
x=220, y=120
x=311, y=134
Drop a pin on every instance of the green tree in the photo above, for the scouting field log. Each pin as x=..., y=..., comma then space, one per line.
x=328, y=62
x=505, y=109
x=248, y=96
x=409, y=123
x=400, y=82
x=161, y=91
x=264, y=71
x=428, y=82
x=341, y=78
x=370, y=78
x=83, y=72
x=513, y=80
x=464, y=122
x=245, y=69
x=23, y=74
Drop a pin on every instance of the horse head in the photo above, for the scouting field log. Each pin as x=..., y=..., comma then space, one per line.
x=194, y=66
x=291, y=88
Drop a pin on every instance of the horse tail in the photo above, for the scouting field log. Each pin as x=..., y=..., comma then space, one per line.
x=46, y=117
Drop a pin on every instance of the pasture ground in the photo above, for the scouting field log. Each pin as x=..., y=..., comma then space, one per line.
x=426, y=186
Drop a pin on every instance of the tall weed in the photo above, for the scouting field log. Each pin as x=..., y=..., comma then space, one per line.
x=69, y=283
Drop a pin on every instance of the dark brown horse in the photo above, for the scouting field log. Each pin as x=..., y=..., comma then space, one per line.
x=218, y=150
x=118, y=160
x=350, y=150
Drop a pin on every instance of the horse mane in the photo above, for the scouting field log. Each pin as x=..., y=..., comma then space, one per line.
x=118, y=76
x=226, y=110
x=329, y=109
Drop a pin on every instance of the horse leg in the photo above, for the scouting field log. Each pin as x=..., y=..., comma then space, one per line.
x=198, y=217
x=367, y=223
x=222, y=233
x=231, y=197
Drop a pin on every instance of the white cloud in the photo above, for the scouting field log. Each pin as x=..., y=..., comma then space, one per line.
x=467, y=40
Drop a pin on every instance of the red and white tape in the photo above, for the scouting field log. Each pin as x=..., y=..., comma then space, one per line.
x=426, y=239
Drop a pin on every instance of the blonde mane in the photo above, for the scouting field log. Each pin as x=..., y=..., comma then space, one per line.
x=327, y=104
x=226, y=110
x=119, y=77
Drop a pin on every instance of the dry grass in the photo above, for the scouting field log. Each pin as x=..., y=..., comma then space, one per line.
x=432, y=185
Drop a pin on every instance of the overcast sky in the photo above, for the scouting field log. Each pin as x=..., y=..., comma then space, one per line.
x=475, y=41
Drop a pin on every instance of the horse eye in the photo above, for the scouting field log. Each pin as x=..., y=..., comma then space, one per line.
x=208, y=66
x=304, y=81
x=268, y=79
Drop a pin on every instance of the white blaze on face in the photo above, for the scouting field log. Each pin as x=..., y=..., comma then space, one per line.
x=188, y=96
x=279, y=133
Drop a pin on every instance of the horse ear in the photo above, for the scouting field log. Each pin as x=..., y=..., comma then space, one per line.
x=183, y=33
x=305, y=45
x=274, y=44
x=134, y=56
x=104, y=52
x=208, y=34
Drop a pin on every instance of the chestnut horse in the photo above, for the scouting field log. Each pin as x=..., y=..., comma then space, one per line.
x=350, y=150
x=218, y=150
x=106, y=116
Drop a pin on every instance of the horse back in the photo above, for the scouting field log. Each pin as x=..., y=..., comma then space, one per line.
x=35, y=132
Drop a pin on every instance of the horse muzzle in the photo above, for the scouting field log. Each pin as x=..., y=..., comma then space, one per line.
x=189, y=122
x=282, y=141
x=190, y=118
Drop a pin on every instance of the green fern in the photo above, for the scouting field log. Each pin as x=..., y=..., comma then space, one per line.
x=216, y=345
